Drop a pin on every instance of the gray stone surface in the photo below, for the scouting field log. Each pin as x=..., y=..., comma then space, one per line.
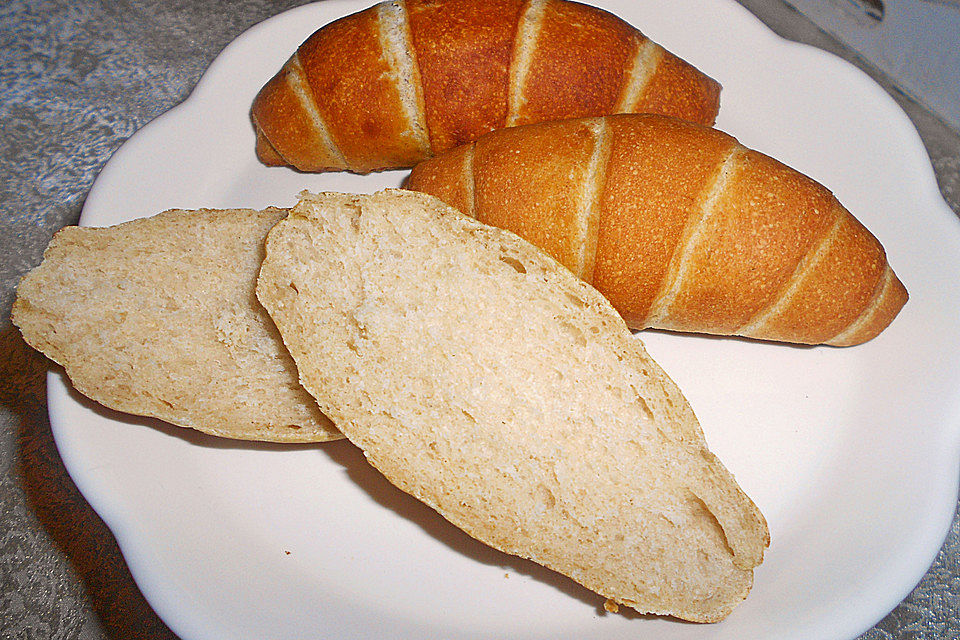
x=76, y=80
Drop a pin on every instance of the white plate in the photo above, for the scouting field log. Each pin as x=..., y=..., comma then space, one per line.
x=852, y=454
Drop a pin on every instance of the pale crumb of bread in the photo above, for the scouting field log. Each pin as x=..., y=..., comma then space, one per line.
x=486, y=380
x=586, y=230
x=525, y=44
x=299, y=86
x=805, y=267
x=681, y=268
x=645, y=61
x=158, y=317
x=396, y=43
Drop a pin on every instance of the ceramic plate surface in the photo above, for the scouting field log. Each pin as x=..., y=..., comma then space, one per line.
x=852, y=454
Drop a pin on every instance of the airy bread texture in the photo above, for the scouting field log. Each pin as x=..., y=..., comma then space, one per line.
x=158, y=317
x=482, y=377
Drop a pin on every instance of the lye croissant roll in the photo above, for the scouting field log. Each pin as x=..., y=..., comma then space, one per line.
x=406, y=79
x=679, y=226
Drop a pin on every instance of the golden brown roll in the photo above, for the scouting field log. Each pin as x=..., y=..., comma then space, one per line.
x=679, y=226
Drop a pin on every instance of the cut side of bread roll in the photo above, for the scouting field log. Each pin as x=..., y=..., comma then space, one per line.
x=158, y=317
x=679, y=226
x=402, y=80
x=480, y=376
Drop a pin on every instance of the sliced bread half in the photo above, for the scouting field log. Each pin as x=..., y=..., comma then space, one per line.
x=482, y=377
x=158, y=317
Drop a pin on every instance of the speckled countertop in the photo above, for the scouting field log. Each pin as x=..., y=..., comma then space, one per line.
x=77, y=79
